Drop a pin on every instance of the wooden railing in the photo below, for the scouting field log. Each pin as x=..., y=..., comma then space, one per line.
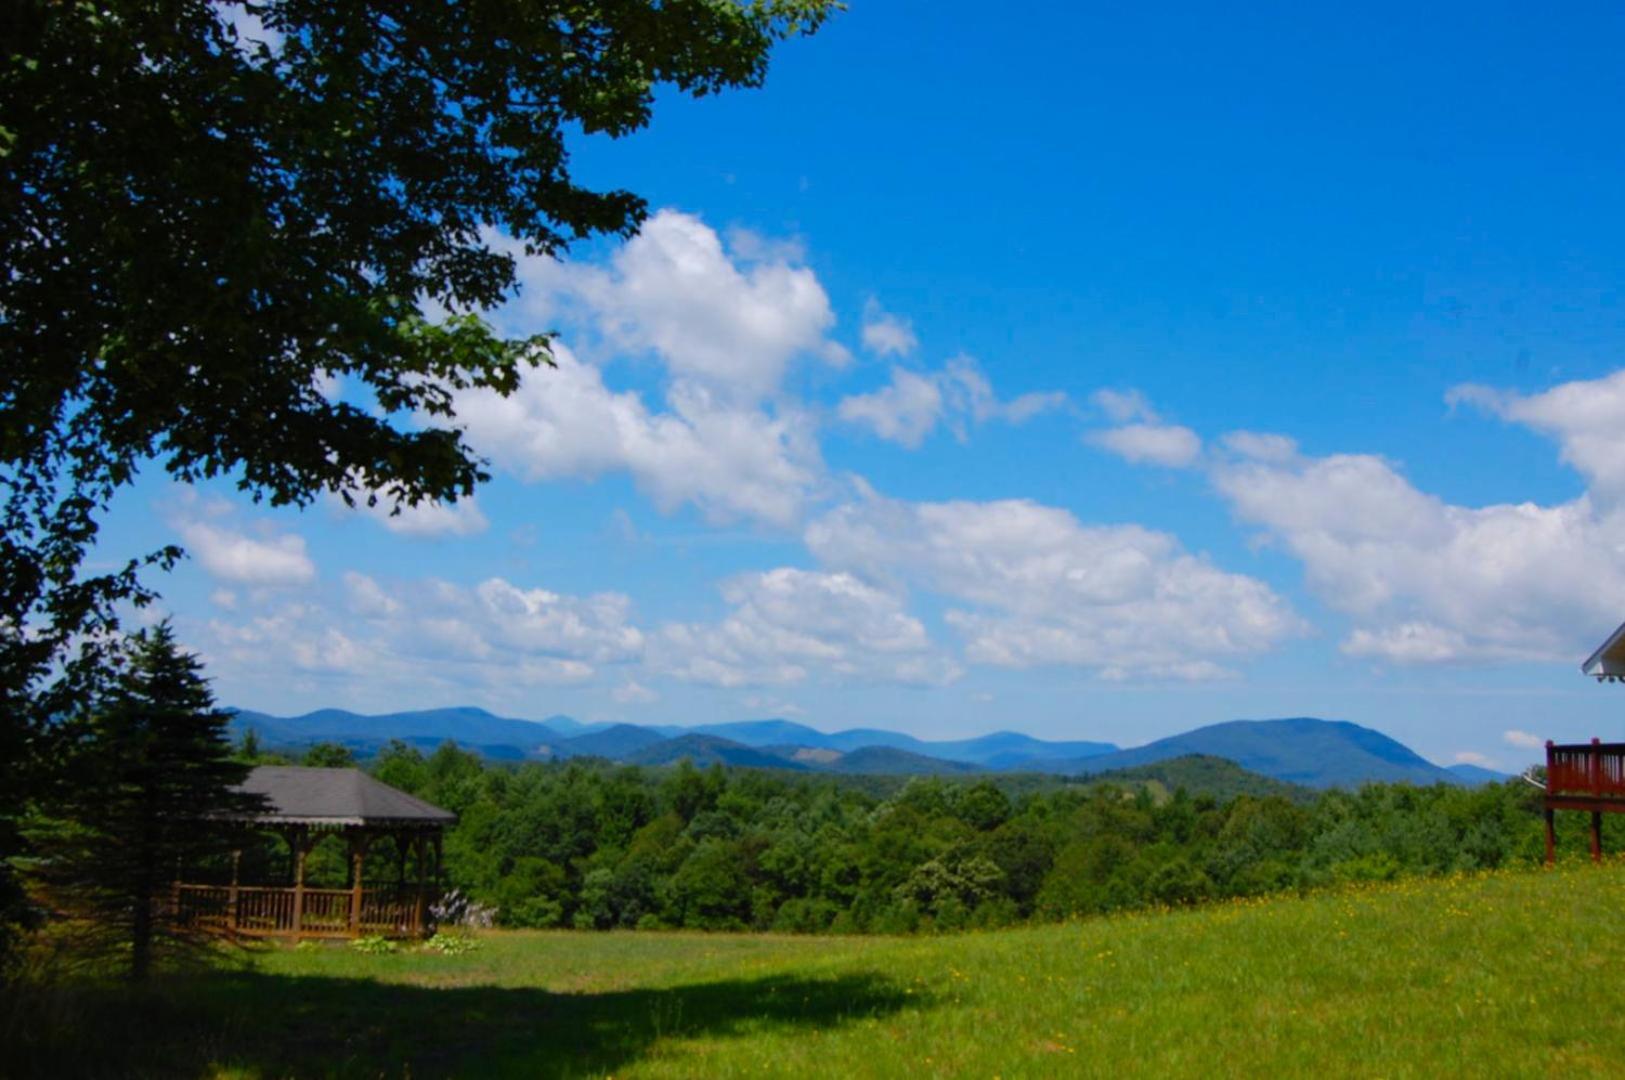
x=256, y=911
x=1594, y=770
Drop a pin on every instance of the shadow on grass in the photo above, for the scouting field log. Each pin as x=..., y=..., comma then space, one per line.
x=294, y=1026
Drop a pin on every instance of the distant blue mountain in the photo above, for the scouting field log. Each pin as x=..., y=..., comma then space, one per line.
x=465, y=725
x=1302, y=750
x=998, y=750
x=1306, y=751
x=616, y=743
x=1477, y=775
x=705, y=750
x=765, y=733
x=890, y=761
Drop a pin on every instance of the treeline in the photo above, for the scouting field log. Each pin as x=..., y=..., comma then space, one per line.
x=593, y=845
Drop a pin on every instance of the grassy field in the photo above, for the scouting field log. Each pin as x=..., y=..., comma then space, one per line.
x=1512, y=974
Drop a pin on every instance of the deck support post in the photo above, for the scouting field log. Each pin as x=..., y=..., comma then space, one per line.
x=1596, y=836
x=1551, y=837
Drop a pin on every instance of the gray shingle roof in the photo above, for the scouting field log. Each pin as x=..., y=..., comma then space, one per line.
x=308, y=796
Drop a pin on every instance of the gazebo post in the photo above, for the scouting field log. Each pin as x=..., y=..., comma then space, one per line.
x=300, y=833
x=417, y=898
x=358, y=855
x=231, y=896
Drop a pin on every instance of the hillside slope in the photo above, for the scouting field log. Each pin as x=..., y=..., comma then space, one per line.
x=1443, y=977
x=1314, y=753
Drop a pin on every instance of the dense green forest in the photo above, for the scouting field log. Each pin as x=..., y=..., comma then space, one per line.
x=594, y=845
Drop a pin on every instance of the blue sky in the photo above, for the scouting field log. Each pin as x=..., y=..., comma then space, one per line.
x=1098, y=375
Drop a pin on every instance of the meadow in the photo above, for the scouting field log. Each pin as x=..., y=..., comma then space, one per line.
x=1504, y=973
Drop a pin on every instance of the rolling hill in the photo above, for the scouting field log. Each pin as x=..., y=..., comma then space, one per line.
x=616, y=743
x=1302, y=750
x=705, y=750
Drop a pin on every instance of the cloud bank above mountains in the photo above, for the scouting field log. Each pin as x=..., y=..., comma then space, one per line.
x=715, y=374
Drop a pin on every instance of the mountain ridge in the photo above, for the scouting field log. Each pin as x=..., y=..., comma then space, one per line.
x=1304, y=751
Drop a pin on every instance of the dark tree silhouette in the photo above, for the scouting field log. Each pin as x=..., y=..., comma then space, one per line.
x=152, y=793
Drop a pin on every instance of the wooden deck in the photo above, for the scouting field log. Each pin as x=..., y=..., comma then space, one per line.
x=258, y=911
x=1584, y=776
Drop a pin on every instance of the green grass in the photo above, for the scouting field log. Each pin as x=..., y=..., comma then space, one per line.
x=1510, y=974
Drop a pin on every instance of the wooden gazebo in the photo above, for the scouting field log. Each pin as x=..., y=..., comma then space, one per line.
x=303, y=806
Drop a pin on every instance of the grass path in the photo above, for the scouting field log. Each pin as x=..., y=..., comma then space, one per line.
x=1513, y=974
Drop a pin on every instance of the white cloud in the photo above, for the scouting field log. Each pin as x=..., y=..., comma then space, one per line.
x=633, y=693
x=785, y=624
x=1139, y=435
x=1426, y=581
x=1122, y=406
x=1523, y=740
x=731, y=462
x=903, y=412
x=1155, y=444
x=268, y=559
x=734, y=324
x=250, y=32
x=1261, y=446
x=885, y=334
x=429, y=519
x=1470, y=757
x=1043, y=588
x=908, y=409
x=367, y=597
x=1587, y=418
x=434, y=633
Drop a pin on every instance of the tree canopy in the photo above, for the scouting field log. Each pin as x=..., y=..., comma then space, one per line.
x=209, y=212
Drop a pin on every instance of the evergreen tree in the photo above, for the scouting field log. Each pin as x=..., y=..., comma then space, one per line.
x=153, y=794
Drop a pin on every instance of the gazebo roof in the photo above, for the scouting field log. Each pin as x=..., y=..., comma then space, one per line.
x=299, y=795
x=1608, y=662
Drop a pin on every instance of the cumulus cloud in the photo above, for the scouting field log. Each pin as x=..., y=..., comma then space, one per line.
x=633, y=693
x=1151, y=444
x=429, y=519
x=1139, y=435
x=786, y=624
x=885, y=334
x=904, y=411
x=1586, y=417
x=910, y=407
x=563, y=423
x=1427, y=581
x=1523, y=740
x=733, y=321
x=430, y=632
x=266, y=559
x=724, y=325
x=1470, y=757
x=1039, y=587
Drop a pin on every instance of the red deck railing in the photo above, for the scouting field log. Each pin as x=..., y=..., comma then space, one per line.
x=1584, y=776
x=1594, y=770
x=257, y=911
